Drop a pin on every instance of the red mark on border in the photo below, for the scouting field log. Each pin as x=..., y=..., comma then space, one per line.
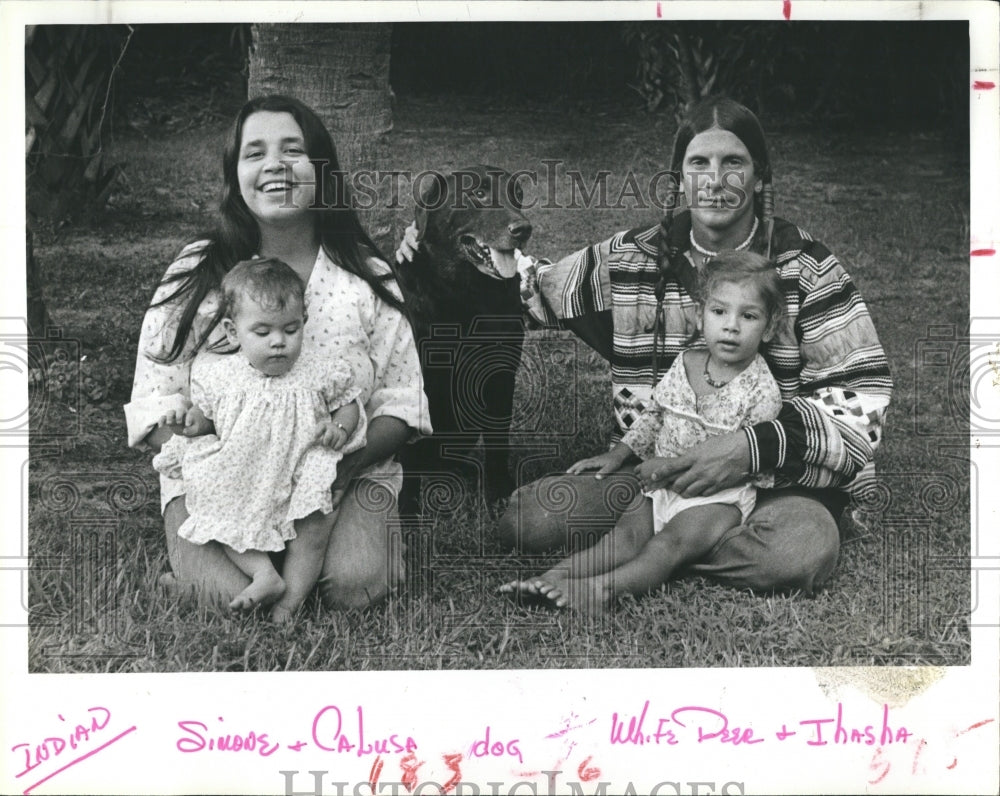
x=975, y=726
x=92, y=752
x=452, y=762
x=874, y=765
x=979, y=85
x=587, y=772
x=659, y=11
x=409, y=766
x=983, y=252
x=376, y=772
x=916, y=755
x=786, y=9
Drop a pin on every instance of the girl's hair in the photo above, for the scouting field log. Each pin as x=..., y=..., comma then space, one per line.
x=269, y=282
x=743, y=267
x=237, y=235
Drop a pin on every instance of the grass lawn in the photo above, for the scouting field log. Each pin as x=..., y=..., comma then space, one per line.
x=892, y=205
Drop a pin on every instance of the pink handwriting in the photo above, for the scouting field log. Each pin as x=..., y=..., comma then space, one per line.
x=711, y=725
x=330, y=735
x=196, y=737
x=704, y=725
x=866, y=735
x=483, y=748
x=79, y=737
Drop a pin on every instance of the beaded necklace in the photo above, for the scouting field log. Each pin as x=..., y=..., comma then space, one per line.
x=709, y=254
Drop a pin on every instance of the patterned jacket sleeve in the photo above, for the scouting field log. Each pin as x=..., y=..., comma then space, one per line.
x=827, y=434
x=573, y=293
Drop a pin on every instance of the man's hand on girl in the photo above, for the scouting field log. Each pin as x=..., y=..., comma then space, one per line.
x=709, y=467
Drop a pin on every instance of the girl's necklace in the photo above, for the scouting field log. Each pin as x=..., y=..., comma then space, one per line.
x=711, y=381
x=707, y=254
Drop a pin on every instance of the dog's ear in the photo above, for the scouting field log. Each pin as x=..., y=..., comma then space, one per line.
x=433, y=194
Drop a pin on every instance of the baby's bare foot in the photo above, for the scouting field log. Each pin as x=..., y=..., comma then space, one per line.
x=265, y=588
x=280, y=615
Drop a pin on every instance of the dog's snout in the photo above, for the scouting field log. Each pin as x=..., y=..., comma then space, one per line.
x=520, y=230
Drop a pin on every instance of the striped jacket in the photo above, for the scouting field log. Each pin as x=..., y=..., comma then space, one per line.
x=826, y=358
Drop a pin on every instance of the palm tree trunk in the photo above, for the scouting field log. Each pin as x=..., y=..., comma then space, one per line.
x=342, y=72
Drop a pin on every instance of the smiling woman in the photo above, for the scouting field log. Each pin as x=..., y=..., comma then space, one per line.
x=277, y=154
x=276, y=177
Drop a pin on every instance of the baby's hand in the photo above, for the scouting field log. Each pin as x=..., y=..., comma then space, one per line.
x=408, y=245
x=648, y=473
x=331, y=434
x=173, y=418
x=196, y=424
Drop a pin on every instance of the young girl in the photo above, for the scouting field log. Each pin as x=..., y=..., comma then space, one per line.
x=270, y=428
x=708, y=390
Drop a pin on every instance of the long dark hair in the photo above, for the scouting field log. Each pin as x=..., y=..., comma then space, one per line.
x=725, y=114
x=236, y=236
x=707, y=113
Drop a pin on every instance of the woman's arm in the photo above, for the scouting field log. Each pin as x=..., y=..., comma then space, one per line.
x=386, y=435
x=398, y=382
x=160, y=387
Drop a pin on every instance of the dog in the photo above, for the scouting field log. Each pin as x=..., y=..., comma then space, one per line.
x=462, y=294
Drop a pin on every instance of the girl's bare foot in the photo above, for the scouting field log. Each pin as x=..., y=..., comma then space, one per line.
x=589, y=596
x=530, y=586
x=266, y=587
